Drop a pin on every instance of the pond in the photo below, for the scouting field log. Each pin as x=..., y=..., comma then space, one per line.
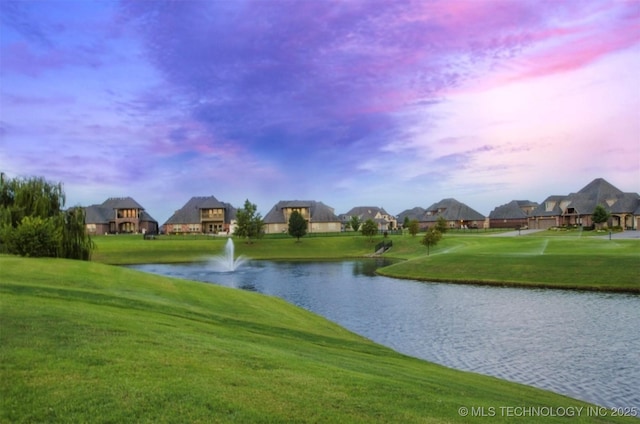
x=585, y=345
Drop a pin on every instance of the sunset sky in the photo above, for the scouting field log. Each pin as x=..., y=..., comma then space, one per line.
x=352, y=103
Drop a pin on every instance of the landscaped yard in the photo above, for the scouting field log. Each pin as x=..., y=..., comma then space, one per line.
x=88, y=342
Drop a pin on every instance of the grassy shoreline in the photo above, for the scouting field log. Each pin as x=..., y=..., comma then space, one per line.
x=88, y=342
x=541, y=260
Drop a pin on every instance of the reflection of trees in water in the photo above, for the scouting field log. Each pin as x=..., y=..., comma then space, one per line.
x=368, y=267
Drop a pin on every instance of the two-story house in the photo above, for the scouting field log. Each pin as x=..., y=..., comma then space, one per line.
x=202, y=215
x=383, y=219
x=320, y=217
x=119, y=215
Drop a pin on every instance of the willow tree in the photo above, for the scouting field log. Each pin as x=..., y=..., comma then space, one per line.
x=33, y=222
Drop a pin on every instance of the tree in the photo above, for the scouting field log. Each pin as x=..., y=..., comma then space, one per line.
x=369, y=229
x=297, y=225
x=600, y=215
x=431, y=238
x=32, y=222
x=441, y=224
x=249, y=222
x=406, y=222
x=414, y=227
x=355, y=223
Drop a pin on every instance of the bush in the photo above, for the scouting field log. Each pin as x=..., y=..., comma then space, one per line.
x=34, y=237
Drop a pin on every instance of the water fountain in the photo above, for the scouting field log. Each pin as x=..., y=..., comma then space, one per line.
x=227, y=262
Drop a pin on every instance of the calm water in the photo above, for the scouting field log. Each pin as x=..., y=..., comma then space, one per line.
x=584, y=345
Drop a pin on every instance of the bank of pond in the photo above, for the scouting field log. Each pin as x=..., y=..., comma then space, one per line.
x=581, y=344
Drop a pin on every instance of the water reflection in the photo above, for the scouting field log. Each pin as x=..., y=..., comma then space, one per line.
x=584, y=345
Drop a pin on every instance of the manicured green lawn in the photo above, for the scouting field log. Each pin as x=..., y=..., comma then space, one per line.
x=537, y=260
x=88, y=342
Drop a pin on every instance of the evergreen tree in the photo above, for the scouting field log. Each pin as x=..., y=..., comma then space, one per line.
x=355, y=223
x=297, y=225
x=600, y=215
x=249, y=222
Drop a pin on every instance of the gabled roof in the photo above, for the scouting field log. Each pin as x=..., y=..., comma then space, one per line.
x=190, y=212
x=415, y=213
x=96, y=214
x=104, y=213
x=318, y=210
x=512, y=210
x=121, y=203
x=584, y=202
x=451, y=210
x=541, y=210
x=366, y=212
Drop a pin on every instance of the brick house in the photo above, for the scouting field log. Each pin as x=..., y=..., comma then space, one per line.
x=320, y=217
x=575, y=209
x=455, y=213
x=202, y=215
x=514, y=214
x=383, y=219
x=119, y=215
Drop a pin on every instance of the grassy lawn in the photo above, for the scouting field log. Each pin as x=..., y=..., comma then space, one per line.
x=546, y=259
x=536, y=260
x=88, y=342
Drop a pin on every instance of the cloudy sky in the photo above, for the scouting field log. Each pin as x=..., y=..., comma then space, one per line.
x=353, y=103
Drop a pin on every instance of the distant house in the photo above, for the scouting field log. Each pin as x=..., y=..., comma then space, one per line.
x=416, y=213
x=383, y=219
x=202, y=215
x=321, y=218
x=119, y=215
x=514, y=214
x=575, y=209
x=455, y=213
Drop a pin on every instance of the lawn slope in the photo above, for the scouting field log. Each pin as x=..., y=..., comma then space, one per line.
x=87, y=342
x=586, y=263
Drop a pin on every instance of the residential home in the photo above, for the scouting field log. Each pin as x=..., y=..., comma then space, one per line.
x=455, y=213
x=575, y=209
x=119, y=215
x=416, y=213
x=202, y=215
x=514, y=214
x=320, y=217
x=382, y=218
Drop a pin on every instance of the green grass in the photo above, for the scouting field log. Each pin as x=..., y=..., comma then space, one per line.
x=586, y=263
x=547, y=259
x=87, y=342
x=126, y=250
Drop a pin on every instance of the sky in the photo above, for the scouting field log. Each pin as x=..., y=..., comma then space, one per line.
x=394, y=104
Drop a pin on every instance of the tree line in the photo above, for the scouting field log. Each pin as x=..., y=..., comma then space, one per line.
x=33, y=221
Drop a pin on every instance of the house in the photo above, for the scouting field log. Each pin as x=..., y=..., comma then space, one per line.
x=514, y=214
x=202, y=215
x=320, y=217
x=411, y=214
x=119, y=215
x=382, y=218
x=455, y=213
x=575, y=209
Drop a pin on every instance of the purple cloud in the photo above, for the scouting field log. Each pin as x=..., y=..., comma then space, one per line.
x=274, y=97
